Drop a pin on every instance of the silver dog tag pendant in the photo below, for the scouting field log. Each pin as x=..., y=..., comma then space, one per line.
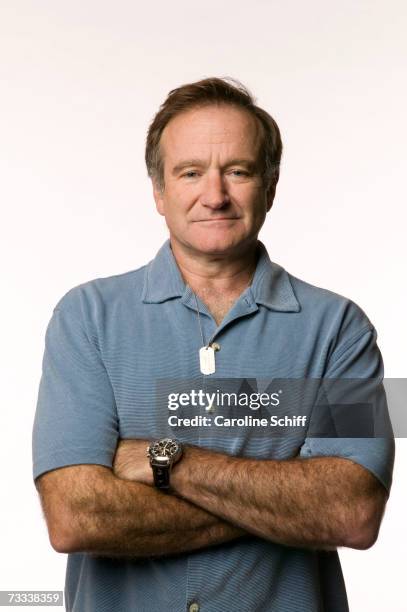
x=207, y=360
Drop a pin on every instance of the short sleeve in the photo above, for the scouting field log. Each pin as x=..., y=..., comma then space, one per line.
x=358, y=357
x=76, y=418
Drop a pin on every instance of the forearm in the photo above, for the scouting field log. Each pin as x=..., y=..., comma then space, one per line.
x=109, y=516
x=316, y=503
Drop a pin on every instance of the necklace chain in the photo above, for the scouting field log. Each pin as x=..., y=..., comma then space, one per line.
x=199, y=319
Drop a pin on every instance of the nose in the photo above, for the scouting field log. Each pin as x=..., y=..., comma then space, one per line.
x=214, y=194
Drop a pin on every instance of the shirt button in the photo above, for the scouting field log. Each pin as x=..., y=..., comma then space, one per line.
x=193, y=607
x=215, y=346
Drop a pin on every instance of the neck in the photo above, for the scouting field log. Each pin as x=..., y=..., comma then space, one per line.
x=205, y=272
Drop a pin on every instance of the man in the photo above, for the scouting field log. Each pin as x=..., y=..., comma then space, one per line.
x=215, y=521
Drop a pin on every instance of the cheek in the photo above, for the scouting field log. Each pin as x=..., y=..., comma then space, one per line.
x=176, y=211
x=180, y=198
x=252, y=201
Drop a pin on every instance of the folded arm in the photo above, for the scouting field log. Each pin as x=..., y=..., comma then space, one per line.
x=321, y=502
x=89, y=509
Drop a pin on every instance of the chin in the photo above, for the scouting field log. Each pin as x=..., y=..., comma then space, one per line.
x=213, y=242
x=217, y=246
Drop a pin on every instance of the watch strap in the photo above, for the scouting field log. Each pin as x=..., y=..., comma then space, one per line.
x=161, y=475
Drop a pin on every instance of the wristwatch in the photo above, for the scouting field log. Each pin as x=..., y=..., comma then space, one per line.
x=163, y=454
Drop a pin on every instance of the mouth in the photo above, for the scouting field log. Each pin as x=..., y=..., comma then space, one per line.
x=216, y=219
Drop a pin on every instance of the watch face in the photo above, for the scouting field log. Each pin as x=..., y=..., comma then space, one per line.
x=166, y=447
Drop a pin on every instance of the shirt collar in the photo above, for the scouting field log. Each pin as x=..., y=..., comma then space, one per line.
x=271, y=285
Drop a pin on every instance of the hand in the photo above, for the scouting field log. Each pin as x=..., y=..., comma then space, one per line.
x=131, y=461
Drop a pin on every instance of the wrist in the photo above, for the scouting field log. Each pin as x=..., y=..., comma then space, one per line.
x=163, y=454
x=186, y=470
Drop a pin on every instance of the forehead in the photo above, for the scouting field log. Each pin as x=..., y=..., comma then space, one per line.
x=224, y=129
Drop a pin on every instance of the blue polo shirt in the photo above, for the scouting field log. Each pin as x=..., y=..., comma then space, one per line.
x=108, y=343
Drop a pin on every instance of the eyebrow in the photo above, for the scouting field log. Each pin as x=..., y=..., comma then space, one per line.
x=199, y=163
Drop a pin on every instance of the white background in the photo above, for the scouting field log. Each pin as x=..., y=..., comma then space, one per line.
x=80, y=82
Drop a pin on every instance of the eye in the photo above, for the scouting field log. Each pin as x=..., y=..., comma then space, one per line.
x=190, y=174
x=239, y=173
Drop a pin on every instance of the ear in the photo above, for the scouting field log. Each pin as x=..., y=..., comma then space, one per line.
x=271, y=192
x=158, y=198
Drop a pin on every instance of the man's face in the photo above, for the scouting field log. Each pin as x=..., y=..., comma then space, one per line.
x=214, y=200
